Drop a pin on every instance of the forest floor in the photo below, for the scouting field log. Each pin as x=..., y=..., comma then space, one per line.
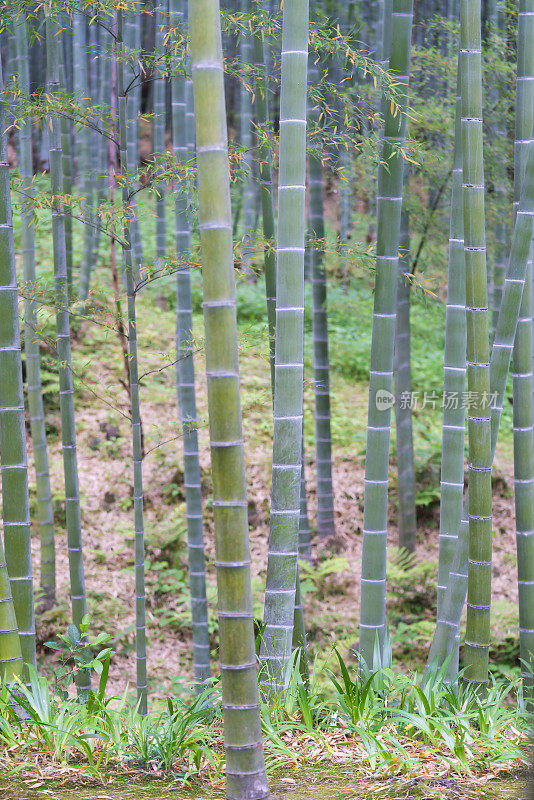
x=315, y=784
x=331, y=585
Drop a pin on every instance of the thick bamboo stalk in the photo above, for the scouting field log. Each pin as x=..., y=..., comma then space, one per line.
x=522, y=364
x=501, y=240
x=67, y=163
x=11, y=664
x=158, y=130
x=447, y=628
x=269, y=232
x=389, y=201
x=245, y=767
x=321, y=366
x=304, y=521
x=66, y=393
x=185, y=380
x=453, y=431
x=45, y=510
x=403, y=385
x=85, y=179
x=14, y=464
x=477, y=639
x=137, y=448
x=133, y=110
x=103, y=68
x=289, y=338
x=266, y=188
x=245, y=122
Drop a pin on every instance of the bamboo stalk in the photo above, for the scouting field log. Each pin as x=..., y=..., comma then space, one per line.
x=11, y=664
x=66, y=392
x=14, y=464
x=389, y=202
x=246, y=50
x=447, y=633
x=185, y=381
x=288, y=391
x=453, y=431
x=266, y=187
x=45, y=510
x=321, y=366
x=137, y=448
x=403, y=385
x=522, y=365
x=477, y=639
x=245, y=768
x=158, y=130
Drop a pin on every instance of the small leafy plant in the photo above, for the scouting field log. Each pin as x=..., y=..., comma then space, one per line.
x=76, y=653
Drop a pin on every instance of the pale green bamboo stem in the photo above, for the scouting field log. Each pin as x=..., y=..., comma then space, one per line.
x=304, y=521
x=245, y=120
x=67, y=163
x=158, y=135
x=66, y=393
x=345, y=206
x=477, y=639
x=321, y=366
x=14, y=464
x=85, y=180
x=289, y=338
x=501, y=246
x=132, y=113
x=137, y=449
x=266, y=186
x=522, y=365
x=103, y=85
x=45, y=510
x=447, y=628
x=403, y=386
x=11, y=664
x=185, y=382
x=262, y=107
x=245, y=768
x=453, y=431
x=373, y=581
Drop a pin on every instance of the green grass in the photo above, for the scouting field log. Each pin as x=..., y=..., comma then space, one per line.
x=389, y=722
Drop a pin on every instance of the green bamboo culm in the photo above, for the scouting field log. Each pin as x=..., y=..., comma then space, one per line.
x=67, y=166
x=446, y=636
x=305, y=551
x=133, y=29
x=245, y=121
x=321, y=366
x=389, y=201
x=158, y=137
x=185, y=379
x=245, y=768
x=289, y=339
x=496, y=19
x=45, y=510
x=85, y=176
x=11, y=664
x=101, y=87
x=14, y=464
x=140, y=597
x=453, y=429
x=66, y=393
x=266, y=190
x=522, y=365
x=477, y=638
x=403, y=385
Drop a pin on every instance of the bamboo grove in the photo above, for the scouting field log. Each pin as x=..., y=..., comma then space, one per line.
x=227, y=122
